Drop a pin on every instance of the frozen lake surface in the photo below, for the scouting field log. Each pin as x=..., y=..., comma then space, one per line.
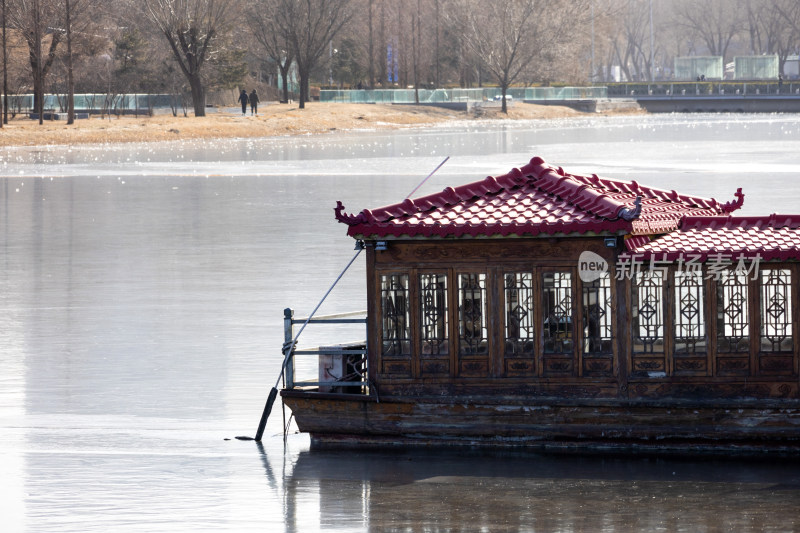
x=142, y=292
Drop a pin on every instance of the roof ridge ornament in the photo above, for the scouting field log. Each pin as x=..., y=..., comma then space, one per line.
x=629, y=214
x=733, y=205
x=351, y=220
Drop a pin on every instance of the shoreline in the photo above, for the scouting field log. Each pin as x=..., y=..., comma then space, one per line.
x=273, y=120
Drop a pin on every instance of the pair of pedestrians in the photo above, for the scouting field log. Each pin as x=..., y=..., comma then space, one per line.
x=252, y=99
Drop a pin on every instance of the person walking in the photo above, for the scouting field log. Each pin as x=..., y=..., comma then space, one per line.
x=243, y=100
x=254, y=102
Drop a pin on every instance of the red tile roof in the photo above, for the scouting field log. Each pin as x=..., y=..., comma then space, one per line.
x=533, y=200
x=774, y=237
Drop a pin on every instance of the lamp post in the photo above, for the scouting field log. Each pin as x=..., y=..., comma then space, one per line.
x=591, y=74
x=652, y=52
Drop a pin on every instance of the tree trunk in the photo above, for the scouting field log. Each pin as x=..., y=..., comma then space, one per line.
x=198, y=96
x=70, y=77
x=414, y=52
x=303, y=87
x=436, y=48
x=382, y=60
x=371, y=52
x=36, y=64
x=5, y=68
x=285, y=77
x=38, y=94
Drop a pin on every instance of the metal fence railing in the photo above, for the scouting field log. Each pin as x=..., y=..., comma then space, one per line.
x=408, y=96
x=705, y=88
x=342, y=367
x=96, y=102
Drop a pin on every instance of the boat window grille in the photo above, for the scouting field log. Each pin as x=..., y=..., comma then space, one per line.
x=733, y=318
x=776, y=305
x=689, y=319
x=597, y=329
x=647, y=312
x=557, y=329
x=395, y=315
x=433, y=314
x=472, y=326
x=519, y=300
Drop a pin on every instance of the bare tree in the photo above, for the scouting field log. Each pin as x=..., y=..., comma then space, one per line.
x=5, y=64
x=415, y=46
x=771, y=27
x=310, y=26
x=192, y=28
x=262, y=20
x=717, y=23
x=437, y=58
x=631, y=43
x=371, y=43
x=789, y=10
x=39, y=23
x=75, y=20
x=503, y=34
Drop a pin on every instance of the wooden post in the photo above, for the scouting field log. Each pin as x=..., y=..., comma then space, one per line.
x=288, y=337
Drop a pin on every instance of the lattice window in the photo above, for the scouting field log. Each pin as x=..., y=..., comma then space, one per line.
x=690, y=324
x=519, y=331
x=395, y=315
x=733, y=322
x=433, y=314
x=557, y=312
x=472, y=328
x=776, y=306
x=647, y=311
x=597, y=331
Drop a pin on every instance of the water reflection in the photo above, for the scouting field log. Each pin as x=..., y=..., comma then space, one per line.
x=483, y=491
x=142, y=295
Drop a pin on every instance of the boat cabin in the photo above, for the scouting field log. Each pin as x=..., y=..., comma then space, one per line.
x=543, y=290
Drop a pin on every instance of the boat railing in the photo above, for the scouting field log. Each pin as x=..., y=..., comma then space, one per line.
x=342, y=367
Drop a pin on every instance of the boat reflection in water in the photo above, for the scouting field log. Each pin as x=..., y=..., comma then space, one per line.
x=488, y=490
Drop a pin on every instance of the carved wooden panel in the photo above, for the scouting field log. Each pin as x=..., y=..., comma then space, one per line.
x=648, y=366
x=435, y=367
x=478, y=368
x=775, y=365
x=708, y=390
x=542, y=251
x=519, y=367
x=598, y=366
x=733, y=366
x=391, y=368
x=690, y=366
x=555, y=365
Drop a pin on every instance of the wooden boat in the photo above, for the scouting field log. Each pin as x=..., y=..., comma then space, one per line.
x=551, y=310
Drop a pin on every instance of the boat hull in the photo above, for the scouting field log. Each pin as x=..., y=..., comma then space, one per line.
x=681, y=426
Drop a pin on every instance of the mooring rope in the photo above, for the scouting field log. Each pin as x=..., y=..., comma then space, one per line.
x=427, y=177
x=288, y=347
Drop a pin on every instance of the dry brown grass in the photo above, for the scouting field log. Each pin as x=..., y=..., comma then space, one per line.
x=272, y=120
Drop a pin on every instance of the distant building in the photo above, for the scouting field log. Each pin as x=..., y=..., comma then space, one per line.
x=694, y=67
x=755, y=67
x=791, y=67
